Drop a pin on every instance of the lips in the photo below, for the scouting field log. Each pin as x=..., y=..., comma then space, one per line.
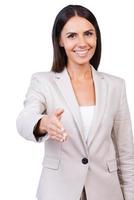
x=81, y=53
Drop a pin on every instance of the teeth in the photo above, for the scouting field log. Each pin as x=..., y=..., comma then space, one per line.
x=81, y=53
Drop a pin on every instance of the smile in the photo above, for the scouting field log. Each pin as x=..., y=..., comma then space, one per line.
x=81, y=53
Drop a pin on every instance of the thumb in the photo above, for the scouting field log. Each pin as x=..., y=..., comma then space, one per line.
x=58, y=112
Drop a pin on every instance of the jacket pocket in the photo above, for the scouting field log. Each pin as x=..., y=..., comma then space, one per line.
x=112, y=165
x=51, y=163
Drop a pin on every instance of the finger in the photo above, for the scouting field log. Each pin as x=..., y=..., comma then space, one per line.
x=56, y=135
x=54, y=128
x=57, y=123
x=65, y=136
x=58, y=112
x=60, y=135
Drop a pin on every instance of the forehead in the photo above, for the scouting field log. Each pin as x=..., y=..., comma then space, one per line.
x=77, y=23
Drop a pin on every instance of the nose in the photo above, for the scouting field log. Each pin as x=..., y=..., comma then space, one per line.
x=81, y=41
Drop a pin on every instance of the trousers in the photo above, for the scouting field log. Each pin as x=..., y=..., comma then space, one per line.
x=83, y=195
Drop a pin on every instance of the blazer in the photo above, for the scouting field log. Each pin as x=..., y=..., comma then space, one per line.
x=104, y=163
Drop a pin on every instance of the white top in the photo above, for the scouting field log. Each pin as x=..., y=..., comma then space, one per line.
x=87, y=116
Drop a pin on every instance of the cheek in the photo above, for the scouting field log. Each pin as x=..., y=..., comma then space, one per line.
x=68, y=46
x=93, y=43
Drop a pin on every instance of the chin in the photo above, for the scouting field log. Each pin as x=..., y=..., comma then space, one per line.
x=84, y=62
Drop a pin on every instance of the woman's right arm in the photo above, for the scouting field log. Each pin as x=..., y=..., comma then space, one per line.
x=33, y=123
x=33, y=111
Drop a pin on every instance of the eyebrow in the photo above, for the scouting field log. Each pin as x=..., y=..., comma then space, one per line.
x=92, y=30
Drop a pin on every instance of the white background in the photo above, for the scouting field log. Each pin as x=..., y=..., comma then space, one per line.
x=25, y=48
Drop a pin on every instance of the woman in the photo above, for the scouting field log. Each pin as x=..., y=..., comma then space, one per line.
x=83, y=117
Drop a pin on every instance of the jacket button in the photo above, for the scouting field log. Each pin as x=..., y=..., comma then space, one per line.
x=84, y=160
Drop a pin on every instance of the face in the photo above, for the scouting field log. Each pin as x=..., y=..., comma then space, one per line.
x=78, y=37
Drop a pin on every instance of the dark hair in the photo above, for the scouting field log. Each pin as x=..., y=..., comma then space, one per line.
x=59, y=55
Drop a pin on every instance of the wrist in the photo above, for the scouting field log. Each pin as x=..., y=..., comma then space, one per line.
x=38, y=130
x=42, y=125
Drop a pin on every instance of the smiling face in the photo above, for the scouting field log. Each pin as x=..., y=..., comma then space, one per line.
x=78, y=37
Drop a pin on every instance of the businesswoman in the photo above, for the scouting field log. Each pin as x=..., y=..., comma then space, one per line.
x=81, y=115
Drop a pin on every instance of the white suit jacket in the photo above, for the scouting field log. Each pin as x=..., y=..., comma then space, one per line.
x=104, y=164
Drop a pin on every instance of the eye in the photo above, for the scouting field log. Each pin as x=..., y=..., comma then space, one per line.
x=89, y=33
x=72, y=35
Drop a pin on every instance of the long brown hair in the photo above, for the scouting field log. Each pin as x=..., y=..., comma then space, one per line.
x=59, y=55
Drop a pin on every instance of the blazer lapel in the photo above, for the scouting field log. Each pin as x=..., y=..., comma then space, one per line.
x=101, y=97
x=64, y=84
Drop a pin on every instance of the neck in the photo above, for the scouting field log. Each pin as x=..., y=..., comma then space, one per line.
x=80, y=73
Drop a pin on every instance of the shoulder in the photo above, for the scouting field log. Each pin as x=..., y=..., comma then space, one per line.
x=42, y=76
x=112, y=79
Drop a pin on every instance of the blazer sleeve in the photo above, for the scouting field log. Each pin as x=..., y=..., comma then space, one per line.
x=123, y=140
x=34, y=110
